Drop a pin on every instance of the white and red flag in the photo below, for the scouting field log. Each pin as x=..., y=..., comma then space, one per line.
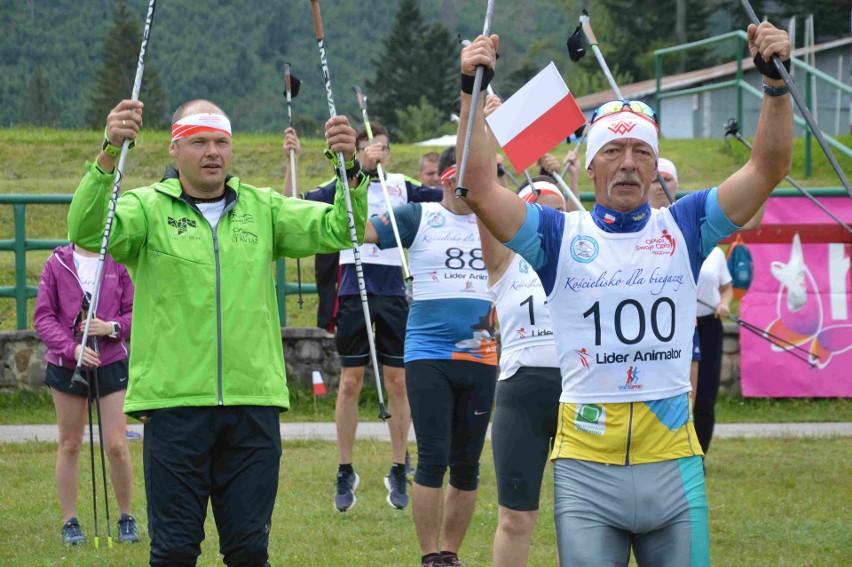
x=536, y=118
x=319, y=385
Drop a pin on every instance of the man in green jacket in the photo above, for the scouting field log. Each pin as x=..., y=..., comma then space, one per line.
x=207, y=367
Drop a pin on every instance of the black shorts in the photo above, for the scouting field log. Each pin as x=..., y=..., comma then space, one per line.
x=451, y=403
x=389, y=315
x=111, y=378
x=525, y=422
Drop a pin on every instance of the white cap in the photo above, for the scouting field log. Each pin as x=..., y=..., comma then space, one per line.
x=666, y=166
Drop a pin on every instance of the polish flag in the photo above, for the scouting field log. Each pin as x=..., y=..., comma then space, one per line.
x=536, y=118
x=319, y=385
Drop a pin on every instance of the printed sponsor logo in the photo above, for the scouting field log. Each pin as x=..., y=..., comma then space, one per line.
x=590, y=418
x=621, y=127
x=523, y=267
x=664, y=245
x=243, y=236
x=584, y=249
x=435, y=220
x=182, y=225
x=584, y=356
x=632, y=382
x=643, y=356
x=434, y=276
x=241, y=219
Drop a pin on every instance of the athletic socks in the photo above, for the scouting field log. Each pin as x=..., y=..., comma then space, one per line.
x=347, y=468
x=398, y=468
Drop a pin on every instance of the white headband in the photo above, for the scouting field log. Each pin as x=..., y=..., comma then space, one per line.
x=666, y=166
x=617, y=126
x=198, y=123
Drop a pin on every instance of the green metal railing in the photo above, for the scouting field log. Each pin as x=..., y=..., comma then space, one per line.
x=742, y=86
x=20, y=245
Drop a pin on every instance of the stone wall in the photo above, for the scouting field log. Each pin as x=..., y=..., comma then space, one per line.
x=305, y=350
x=22, y=362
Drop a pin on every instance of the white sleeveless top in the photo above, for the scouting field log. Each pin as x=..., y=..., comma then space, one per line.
x=623, y=307
x=445, y=258
x=376, y=205
x=526, y=332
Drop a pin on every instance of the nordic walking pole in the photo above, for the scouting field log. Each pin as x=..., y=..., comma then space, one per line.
x=362, y=104
x=593, y=41
x=803, y=108
x=577, y=148
x=567, y=190
x=732, y=128
x=92, y=458
x=291, y=89
x=97, y=397
x=341, y=165
x=766, y=335
x=461, y=190
x=119, y=169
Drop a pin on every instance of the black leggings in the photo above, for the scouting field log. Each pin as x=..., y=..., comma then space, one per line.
x=711, y=335
x=451, y=404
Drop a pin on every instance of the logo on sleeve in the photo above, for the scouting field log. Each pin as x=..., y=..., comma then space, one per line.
x=584, y=249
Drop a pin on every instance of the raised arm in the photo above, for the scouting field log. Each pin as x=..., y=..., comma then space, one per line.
x=88, y=211
x=291, y=142
x=742, y=194
x=494, y=254
x=501, y=211
x=304, y=228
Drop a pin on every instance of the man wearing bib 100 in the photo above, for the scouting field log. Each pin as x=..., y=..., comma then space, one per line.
x=621, y=290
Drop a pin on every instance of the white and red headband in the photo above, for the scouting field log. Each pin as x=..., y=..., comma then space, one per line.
x=200, y=123
x=618, y=126
x=448, y=173
x=541, y=188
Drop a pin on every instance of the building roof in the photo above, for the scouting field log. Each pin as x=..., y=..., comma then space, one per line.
x=643, y=89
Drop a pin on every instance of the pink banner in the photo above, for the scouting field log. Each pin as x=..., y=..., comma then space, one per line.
x=801, y=298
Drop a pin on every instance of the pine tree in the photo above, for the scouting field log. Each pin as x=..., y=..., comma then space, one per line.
x=38, y=105
x=418, y=60
x=114, y=80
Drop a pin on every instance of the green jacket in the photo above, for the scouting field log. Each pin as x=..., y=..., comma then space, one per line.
x=205, y=316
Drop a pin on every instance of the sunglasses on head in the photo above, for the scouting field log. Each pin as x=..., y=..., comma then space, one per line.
x=634, y=106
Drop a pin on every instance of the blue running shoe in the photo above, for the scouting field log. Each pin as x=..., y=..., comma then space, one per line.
x=347, y=483
x=397, y=486
x=127, y=529
x=72, y=534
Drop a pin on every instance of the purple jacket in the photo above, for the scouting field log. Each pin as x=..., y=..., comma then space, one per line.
x=58, y=304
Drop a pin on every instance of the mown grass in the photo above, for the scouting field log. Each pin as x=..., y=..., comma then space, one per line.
x=51, y=161
x=772, y=502
x=26, y=407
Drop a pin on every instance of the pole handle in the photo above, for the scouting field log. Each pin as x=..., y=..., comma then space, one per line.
x=587, y=28
x=315, y=10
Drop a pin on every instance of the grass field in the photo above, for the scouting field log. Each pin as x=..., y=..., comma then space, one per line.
x=24, y=407
x=51, y=161
x=772, y=502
